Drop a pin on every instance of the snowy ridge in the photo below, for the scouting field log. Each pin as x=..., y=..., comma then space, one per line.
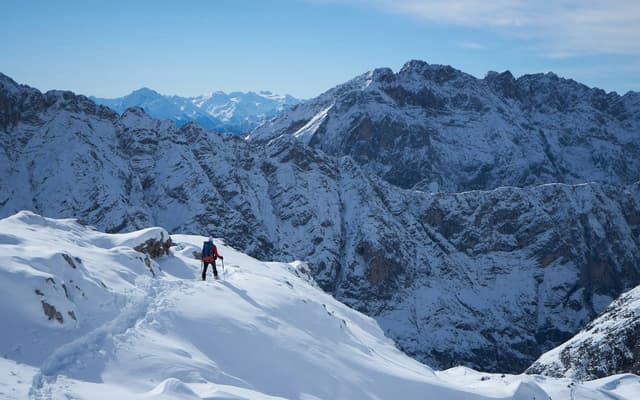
x=75, y=293
x=608, y=345
x=432, y=127
x=236, y=112
x=264, y=332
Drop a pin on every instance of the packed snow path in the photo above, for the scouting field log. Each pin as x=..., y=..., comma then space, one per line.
x=85, y=355
x=265, y=332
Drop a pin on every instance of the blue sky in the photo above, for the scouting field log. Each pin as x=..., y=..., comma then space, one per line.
x=304, y=47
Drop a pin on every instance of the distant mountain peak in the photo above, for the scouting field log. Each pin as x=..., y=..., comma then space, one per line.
x=414, y=65
x=235, y=112
x=382, y=75
x=432, y=72
x=9, y=85
x=504, y=83
x=145, y=91
x=502, y=75
x=6, y=79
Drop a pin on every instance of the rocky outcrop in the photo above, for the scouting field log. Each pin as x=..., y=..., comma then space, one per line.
x=607, y=346
x=51, y=312
x=155, y=248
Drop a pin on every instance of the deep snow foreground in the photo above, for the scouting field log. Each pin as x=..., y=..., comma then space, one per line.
x=85, y=316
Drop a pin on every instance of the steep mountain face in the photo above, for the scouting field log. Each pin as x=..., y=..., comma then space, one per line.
x=490, y=279
x=432, y=127
x=608, y=345
x=236, y=112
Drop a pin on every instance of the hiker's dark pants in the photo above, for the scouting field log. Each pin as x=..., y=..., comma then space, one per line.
x=204, y=270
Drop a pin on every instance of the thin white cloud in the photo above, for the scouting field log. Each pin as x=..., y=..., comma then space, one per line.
x=559, y=55
x=472, y=45
x=563, y=26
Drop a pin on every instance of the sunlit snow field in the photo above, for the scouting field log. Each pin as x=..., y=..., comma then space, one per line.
x=129, y=327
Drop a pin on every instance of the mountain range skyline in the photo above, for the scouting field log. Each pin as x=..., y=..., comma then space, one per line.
x=208, y=92
x=239, y=112
x=304, y=47
x=234, y=112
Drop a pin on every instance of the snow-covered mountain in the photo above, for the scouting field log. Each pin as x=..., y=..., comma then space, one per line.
x=608, y=345
x=435, y=128
x=236, y=112
x=490, y=279
x=241, y=112
x=86, y=316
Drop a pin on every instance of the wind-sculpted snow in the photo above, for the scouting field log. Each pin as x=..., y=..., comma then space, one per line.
x=608, y=345
x=60, y=281
x=264, y=331
x=435, y=128
x=489, y=279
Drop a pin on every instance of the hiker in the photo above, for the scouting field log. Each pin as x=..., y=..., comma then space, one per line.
x=209, y=255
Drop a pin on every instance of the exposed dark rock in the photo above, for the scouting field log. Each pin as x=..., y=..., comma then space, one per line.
x=155, y=248
x=51, y=312
x=70, y=260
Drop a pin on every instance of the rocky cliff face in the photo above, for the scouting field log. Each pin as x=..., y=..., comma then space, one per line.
x=432, y=127
x=488, y=279
x=607, y=346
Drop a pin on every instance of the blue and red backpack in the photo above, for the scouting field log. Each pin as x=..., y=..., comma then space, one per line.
x=207, y=252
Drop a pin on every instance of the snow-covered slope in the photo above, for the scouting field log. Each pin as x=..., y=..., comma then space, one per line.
x=490, y=279
x=608, y=345
x=235, y=112
x=265, y=331
x=435, y=128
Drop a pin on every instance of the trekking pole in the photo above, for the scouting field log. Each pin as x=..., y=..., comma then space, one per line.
x=223, y=277
x=201, y=266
